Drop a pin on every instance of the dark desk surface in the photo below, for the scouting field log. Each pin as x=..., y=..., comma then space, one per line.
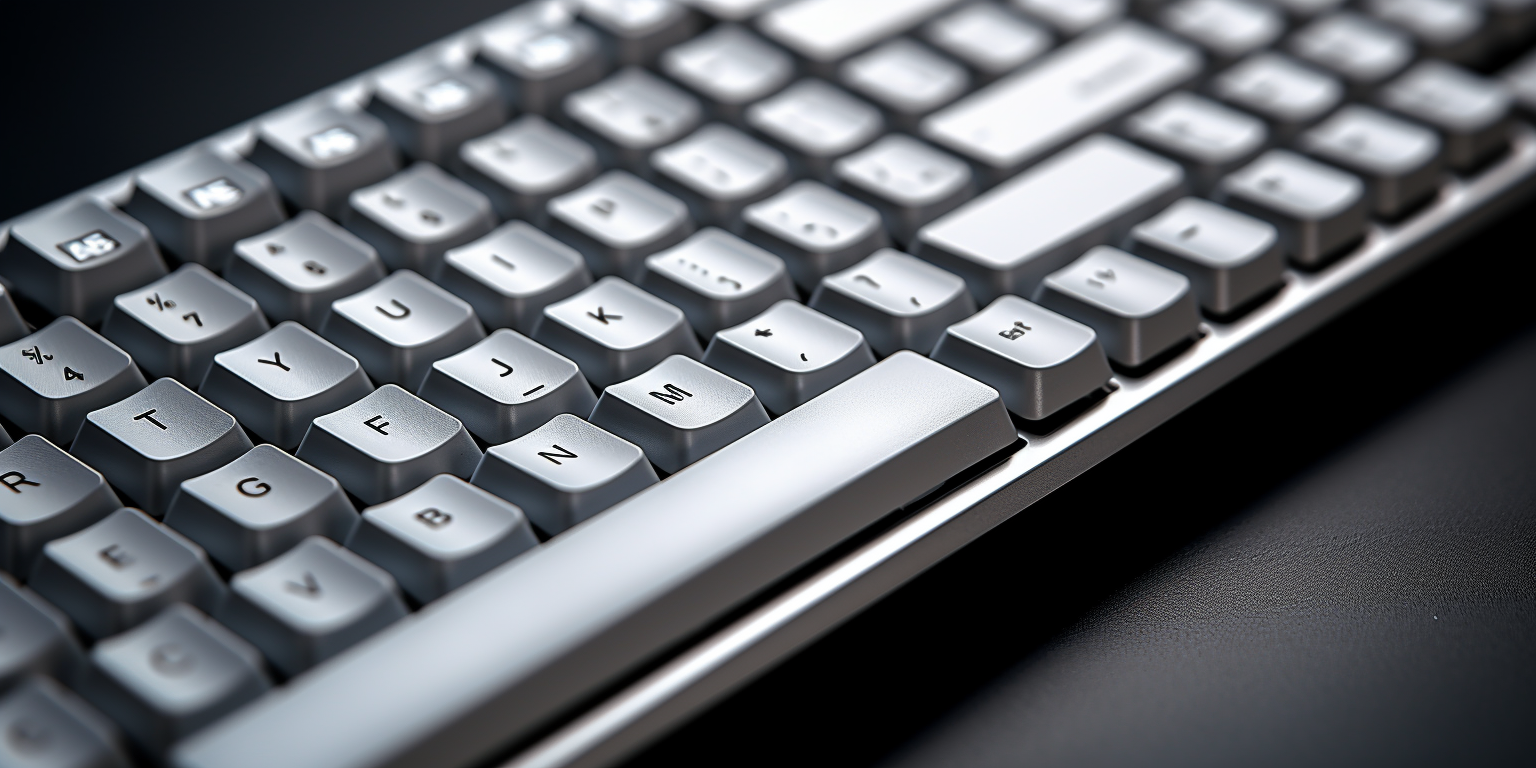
x=1331, y=561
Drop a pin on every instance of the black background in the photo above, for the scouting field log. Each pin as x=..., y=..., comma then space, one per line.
x=93, y=89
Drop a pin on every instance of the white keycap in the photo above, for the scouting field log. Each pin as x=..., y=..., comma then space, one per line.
x=905, y=77
x=1022, y=118
x=1211, y=139
x=632, y=113
x=730, y=67
x=415, y=216
x=47, y=494
x=789, y=354
x=897, y=301
x=1230, y=258
x=510, y=275
x=388, y=443
x=438, y=537
x=295, y=271
x=258, y=507
x=719, y=171
x=506, y=386
x=564, y=472
x=825, y=31
x=310, y=604
x=1229, y=29
x=175, y=325
x=1470, y=111
x=1318, y=209
x=614, y=330
x=679, y=412
x=618, y=220
x=910, y=182
x=400, y=325
x=816, y=123
x=50, y=380
x=1401, y=162
x=717, y=279
x=1359, y=49
x=1139, y=309
x=146, y=444
x=1073, y=17
x=815, y=229
x=989, y=38
x=1004, y=241
x=1038, y=360
x=1289, y=94
x=524, y=164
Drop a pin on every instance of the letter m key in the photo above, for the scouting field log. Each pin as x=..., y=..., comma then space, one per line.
x=672, y=395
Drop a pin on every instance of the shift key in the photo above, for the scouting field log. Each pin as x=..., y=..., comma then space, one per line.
x=1008, y=239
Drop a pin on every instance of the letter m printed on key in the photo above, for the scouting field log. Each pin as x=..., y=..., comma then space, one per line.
x=672, y=394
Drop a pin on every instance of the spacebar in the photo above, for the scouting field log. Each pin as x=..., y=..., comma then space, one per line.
x=465, y=677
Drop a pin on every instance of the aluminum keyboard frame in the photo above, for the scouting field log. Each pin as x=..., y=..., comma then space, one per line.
x=798, y=613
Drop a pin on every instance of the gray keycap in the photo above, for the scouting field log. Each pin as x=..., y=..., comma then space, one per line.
x=1520, y=79
x=1304, y=9
x=35, y=638
x=50, y=380
x=258, y=507
x=146, y=444
x=618, y=220
x=1073, y=17
x=399, y=326
x=730, y=67
x=175, y=325
x=679, y=412
x=731, y=10
x=440, y=536
x=295, y=271
x=1229, y=29
x=789, y=354
x=614, y=330
x=275, y=384
x=815, y=229
x=523, y=165
x=1212, y=140
x=826, y=31
x=778, y=497
x=636, y=31
x=1445, y=29
x=12, y=327
x=1471, y=112
x=1358, y=48
x=1400, y=161
x=388, y=443
x=907, y=78
x=1231, y=259
x=310, y=604
x=432, y=108
x=564, y=472
x=1139, y=309
x=74, y=259
x=897, y=302
x=632, y=113
x=717, y=279
x=816, y=123
x=989, y=38
x=1287, y=93
x=172, y=676
x=1038, y=360
x=1318, y=209
x=1008, y=238
x=5, y=437
x=317, y=154
x=718, y=171
x=910, y=182
x=47, y=494
x=540, y=53
x=1020, y=119
x=415, y=216
x=46, y=726
x=510, y=275
x=121, y=571
x=507, y=385
x=199, y=203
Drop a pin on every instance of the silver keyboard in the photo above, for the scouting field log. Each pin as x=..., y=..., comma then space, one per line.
x=511, y=402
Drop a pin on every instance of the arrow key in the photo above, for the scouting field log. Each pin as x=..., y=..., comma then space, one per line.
x=310, y=604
